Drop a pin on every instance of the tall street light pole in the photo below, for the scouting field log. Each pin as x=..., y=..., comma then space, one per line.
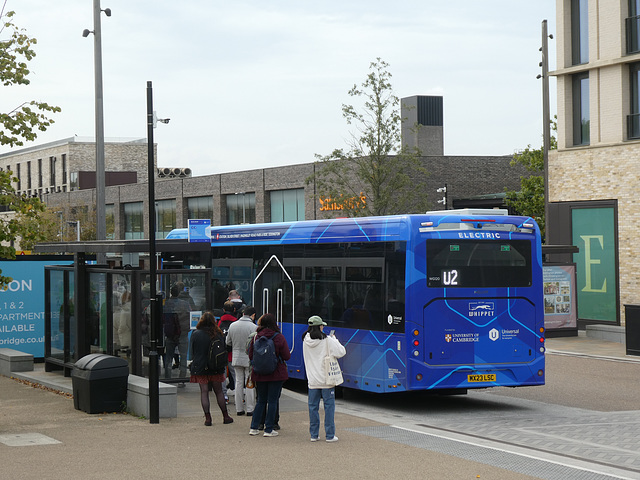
x=154, y=373
x=101, y=223
x=155, y=299
x=546, y=120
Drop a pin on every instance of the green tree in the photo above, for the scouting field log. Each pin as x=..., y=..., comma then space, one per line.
x=16, y=50
x=376, y=174
x=22, y=213
x=19, y=221
x=530, y=199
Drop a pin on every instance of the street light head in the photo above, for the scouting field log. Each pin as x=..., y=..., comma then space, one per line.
x=107, y=12
x=86, y=32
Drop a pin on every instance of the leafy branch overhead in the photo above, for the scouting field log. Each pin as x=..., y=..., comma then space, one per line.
x=16, y=50
x=21, y=222
x=376, y=174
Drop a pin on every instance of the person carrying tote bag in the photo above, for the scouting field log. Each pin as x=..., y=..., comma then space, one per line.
x=316, y=347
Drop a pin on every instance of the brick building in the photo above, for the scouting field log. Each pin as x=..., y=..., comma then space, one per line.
x=259, y=195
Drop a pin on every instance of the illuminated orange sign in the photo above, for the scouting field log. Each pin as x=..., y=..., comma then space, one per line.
x=353, y=203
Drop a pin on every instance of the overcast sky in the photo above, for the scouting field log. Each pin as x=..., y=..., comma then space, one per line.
x=260, y=83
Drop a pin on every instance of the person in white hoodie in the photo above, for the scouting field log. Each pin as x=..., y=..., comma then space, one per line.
x=315, y=346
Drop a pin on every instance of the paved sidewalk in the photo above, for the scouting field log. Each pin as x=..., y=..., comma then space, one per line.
x=586, y=346
x=61, y=442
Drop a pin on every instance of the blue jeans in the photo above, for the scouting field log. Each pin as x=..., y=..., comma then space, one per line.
x=328, y=396
x=268, y=396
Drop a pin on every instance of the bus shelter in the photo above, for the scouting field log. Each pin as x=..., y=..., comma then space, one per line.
x=104, y=308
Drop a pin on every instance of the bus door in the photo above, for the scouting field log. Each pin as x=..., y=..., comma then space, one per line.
x=273, y=292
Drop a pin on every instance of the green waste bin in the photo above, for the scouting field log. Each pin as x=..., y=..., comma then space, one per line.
x=100, y=383
x=632, y=329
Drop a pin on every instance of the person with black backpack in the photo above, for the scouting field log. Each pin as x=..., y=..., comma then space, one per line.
x=207, y=369
x=228, y=317
x=268, y=353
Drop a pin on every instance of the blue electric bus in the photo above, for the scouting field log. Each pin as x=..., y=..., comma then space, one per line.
x=448, y=300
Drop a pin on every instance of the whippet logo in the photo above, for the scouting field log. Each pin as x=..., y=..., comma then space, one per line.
x=481, y=309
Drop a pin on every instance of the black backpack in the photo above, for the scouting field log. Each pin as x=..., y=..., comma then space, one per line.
x=218, y=357
x=265, y=360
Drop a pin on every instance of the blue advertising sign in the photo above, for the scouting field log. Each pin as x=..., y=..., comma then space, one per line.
x=198, y=230
x=22, y=304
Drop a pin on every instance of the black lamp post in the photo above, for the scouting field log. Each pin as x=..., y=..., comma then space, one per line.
x=155, y=300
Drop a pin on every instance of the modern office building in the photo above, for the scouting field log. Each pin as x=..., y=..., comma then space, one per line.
x=593, y=176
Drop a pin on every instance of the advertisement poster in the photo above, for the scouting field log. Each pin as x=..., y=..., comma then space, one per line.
x=22, y=304
x=559, y=296
x=594, y=232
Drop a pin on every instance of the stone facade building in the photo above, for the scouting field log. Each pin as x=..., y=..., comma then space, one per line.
x=594, y=174
x=57, y=166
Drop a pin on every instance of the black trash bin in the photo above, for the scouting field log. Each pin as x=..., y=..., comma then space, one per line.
x=100, y=383
x=632, y=329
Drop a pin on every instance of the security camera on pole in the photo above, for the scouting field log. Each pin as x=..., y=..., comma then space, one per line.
x=443, y=200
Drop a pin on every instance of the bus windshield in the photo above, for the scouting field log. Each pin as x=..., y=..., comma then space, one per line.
x=478, y=263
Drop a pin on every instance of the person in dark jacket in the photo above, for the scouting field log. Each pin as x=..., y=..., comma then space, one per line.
x=228, y=317
x=269, y=386
x=201, y=338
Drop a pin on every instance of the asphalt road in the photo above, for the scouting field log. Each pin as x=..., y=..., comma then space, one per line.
x=580, y=382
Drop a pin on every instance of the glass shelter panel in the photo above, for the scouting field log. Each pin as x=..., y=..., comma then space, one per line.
x=121, y=315
x=96, y=327
x=56, y=299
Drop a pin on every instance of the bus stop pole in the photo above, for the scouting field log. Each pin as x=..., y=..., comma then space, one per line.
x=154, y=364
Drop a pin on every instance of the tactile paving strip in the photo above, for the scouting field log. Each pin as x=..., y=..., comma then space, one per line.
x=488, y=456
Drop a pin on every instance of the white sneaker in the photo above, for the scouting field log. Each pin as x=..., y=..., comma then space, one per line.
x=254, y=432
x=272, y=433
x=315, y=439
x=334, y=439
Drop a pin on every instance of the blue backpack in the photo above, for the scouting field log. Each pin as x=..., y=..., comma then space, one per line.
x=265, y=360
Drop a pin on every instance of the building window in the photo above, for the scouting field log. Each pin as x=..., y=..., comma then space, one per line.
x=165, y=217
x=633, y=27
x=633, y=121
x=287, y=205
x=29, y=175
x=19, y=177
x=39, y=173
x=581, y=109
x=241, y=208
x=579, y=31
x=64, y=168
x=110, y=220
x=133, y=221
x=52, y=171
x=73, y=181
x=200, y=208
